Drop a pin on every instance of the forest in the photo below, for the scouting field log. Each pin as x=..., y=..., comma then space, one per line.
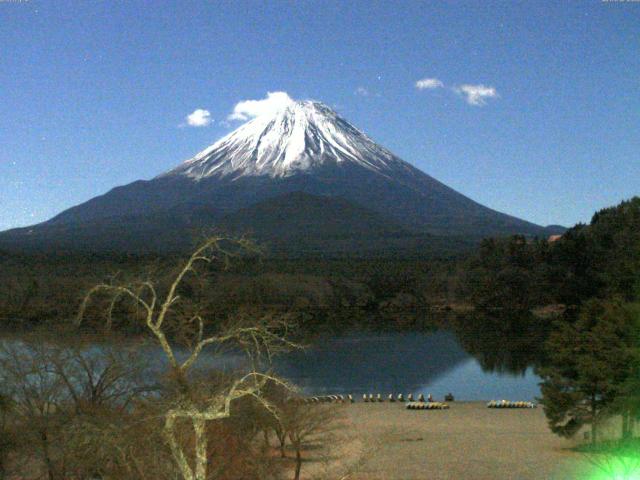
x=518, y=274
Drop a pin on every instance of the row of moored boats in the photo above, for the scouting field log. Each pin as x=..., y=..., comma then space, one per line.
x=427, y=406
x=421, y=403
x=509, y=404
x=369, y=398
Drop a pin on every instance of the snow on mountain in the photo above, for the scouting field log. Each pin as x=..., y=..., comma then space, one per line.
x=295, y=139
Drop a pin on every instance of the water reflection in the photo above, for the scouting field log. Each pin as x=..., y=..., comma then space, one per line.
x=364, y=363
x=468, y=381
x=502, y=341
x=481, y=357
x=432, y=363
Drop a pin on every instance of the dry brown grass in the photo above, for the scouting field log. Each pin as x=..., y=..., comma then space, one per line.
x=468, y=441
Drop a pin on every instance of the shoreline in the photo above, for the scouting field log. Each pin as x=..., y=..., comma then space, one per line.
x=466, y=441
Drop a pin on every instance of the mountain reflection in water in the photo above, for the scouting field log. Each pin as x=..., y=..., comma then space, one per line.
x=375, y=363
x=384, y=363
x=400, y=363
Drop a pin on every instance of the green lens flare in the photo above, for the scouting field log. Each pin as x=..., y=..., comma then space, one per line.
x=616, y=468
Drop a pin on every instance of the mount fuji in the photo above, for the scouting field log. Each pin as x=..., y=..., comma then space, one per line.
x=300, y=178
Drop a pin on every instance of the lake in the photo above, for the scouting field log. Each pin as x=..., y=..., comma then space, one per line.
x=401, y=362
x=357, y=363
x=405, y=363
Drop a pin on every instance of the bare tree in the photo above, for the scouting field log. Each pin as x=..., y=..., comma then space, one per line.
x=271, y=420
x=305, y=423
x=62, y=394
x=6, y=440
x=39, y=398
x=127, y=446
x=260, y=339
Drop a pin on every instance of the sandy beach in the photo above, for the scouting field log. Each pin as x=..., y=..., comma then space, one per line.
x=468, y=441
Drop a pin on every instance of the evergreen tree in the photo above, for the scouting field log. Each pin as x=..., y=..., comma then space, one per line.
x=627, y=402
x=590, y=363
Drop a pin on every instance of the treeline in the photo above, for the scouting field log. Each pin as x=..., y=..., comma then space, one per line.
x=516, y=275
x=599, y=260
x=40, y=290
x=328, y=293
x=587, y=349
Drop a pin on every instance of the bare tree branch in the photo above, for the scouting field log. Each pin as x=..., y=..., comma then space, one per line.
x=261, y=340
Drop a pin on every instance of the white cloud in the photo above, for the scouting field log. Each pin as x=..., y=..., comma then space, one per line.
x=361, y=91
x=199, y=118
x=429, y=84
x=248, y=109
x=476, y=95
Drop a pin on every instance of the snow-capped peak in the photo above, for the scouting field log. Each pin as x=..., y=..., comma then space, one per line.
x=296, y=138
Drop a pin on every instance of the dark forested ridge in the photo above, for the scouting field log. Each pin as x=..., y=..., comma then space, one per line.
x=338, y=292
x=601, y=259
x=521, y=288
x=515, y=274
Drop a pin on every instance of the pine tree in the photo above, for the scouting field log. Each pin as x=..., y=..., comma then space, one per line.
x=627, y=401
x=590, y=364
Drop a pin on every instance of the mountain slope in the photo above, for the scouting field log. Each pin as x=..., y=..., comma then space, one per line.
x=299, y=224
x=298, y=214
x=305, y=147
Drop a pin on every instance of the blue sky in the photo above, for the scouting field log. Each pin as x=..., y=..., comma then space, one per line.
x=96, y=94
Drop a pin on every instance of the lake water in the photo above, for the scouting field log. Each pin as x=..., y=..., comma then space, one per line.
x=357, y=363
x=401, y=363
